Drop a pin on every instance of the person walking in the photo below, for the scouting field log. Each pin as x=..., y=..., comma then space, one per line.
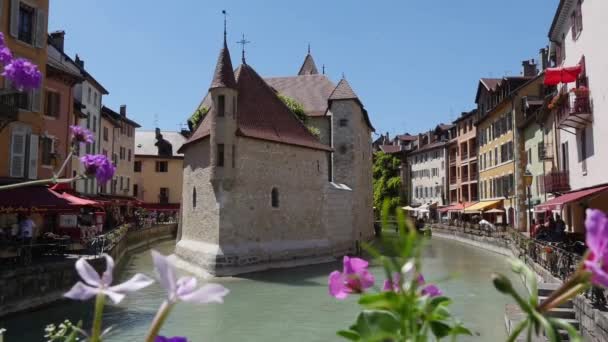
x=27, y=226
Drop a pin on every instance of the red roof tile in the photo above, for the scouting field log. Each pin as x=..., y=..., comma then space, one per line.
x=223, y=77
x=390, y=148
x=343, y=91
x=308, y=67
x=312, y=91
x=261, y=114
x=407, y=137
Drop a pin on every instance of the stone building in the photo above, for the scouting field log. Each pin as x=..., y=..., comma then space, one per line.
x=260, y=190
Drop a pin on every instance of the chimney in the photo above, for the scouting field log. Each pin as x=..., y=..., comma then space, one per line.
x=123, y=110
x=79, y=62
x=57, y=39
x=544, y=58
x=529, y=68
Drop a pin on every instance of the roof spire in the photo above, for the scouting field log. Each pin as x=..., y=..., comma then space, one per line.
x=308, y=67
x=309, y=48
x=323, y=69
x=225, y=14
x=223, y=77
x=243, y=42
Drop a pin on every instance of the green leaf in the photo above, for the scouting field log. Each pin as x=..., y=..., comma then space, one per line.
x=382, y=300
x=349, y=335
x=440, y=300
x=460, y=330
x=517, y=330
x=440, y=329
x=375, y=325
x=549, y=329
x=572, y=332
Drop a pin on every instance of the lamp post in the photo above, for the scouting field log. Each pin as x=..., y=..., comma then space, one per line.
x=528, y=177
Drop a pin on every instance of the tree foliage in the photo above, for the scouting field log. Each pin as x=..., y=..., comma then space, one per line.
x=296, y=107
x=199, y=114
x=387, y=180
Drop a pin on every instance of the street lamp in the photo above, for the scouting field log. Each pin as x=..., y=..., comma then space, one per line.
x=528, y=177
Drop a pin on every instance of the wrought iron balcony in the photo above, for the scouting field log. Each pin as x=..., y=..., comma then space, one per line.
x=574, y=110
x=556, y=182
x=545, y=151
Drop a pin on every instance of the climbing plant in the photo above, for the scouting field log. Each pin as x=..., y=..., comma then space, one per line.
x=296, y=107
x=387, y=180
x=199, y=114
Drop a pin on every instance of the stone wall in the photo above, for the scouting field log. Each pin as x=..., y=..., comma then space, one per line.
x=28, y=288
x=323, y=124
x=593, y=322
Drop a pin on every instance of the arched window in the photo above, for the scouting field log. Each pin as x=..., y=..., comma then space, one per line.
x=193, y=197
x=275, y=197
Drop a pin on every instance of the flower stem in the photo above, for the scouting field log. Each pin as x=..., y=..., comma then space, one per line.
x=159, y=320
x=97, y=318
x=65, y=163
x=572, y=292
x=565, y=288
x=39, y=182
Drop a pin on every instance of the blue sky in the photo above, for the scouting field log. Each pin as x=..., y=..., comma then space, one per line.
x=412, y=63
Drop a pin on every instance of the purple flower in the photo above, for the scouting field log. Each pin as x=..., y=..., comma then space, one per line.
x=596, y=224
x=99, y=166
x=23, y=74
x=94, y=284
x=428, y=289
x=392, y=284
x=6, y=55
x=354, y=278
x=81, y=134
x=170, y=339
x=185, y=288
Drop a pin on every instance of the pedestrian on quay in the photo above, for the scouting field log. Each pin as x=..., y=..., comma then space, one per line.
x=26, y=225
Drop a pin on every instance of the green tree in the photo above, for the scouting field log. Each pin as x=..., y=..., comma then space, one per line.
x=387, y=180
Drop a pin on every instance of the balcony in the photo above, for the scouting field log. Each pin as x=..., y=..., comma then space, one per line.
x=545, y=151
x=464, y=155
x=452, y=159
x=452, y=181
x=556, y=182
x=9, y=108
x=574, y=109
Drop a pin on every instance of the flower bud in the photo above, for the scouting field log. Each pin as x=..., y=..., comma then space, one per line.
x=502, y=283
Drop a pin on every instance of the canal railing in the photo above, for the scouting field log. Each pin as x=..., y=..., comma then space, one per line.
x=548, y=259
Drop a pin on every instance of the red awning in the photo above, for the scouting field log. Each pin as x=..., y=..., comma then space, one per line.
x=32, y=199
x=554, y=76
x=559, y=202
x=82, y=202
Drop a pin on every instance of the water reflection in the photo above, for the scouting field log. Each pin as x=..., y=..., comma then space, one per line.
x=286, y=304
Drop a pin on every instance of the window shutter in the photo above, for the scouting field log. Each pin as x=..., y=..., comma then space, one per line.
x=33, y=161
x=14, y=24
x=36, y=100
x=17, y=152
x=40, y=28
x=1, y=13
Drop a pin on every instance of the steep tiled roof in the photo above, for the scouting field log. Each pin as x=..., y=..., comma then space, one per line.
x=430, y=146
x=308, y=67
x=444, y=127
x=390, y=148
x=343, y=91
x=490, y=83
x=223, y=77
x=312, y=91
x=145, y=142
x=116, y=116
x=407, y=137
x=262, y=115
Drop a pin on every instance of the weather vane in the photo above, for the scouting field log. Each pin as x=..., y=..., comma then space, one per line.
x=225, y=14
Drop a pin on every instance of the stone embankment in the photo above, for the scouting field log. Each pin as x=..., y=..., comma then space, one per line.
x=30, y=287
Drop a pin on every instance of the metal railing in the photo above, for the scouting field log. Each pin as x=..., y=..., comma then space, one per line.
x=556, y=181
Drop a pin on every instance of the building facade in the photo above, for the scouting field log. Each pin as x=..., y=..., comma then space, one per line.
x=462, y=158
x=121, y=144
x=158, y=167
x=24, y=25
x=428, y=168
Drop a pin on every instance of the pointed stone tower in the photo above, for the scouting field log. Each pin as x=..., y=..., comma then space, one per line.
x=223, y=92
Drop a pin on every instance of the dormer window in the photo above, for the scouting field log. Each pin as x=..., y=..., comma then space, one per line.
x=221, y=105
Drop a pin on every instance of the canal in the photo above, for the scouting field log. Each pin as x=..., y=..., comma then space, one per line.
x=285, y=305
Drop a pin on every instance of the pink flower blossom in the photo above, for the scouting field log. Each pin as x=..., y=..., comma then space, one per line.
x=94, y=284
x=81, y=134
x=596, y=224
x=392, y=284
x=185, y=288
x=23, y=74
x=428, y=289
x=99, y=166
x=354, y=278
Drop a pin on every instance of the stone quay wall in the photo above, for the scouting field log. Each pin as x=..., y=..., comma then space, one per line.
x=593, y=322
x=37, y=285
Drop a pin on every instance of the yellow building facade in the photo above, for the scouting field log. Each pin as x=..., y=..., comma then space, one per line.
x=24, y=24
x=158, y=167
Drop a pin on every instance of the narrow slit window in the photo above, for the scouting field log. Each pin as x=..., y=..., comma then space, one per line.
x=275, y=197
x=221, y=105
x=220, y=155
x=193, y=197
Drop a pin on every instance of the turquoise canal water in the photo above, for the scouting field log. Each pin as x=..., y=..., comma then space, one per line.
x=285, y=305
